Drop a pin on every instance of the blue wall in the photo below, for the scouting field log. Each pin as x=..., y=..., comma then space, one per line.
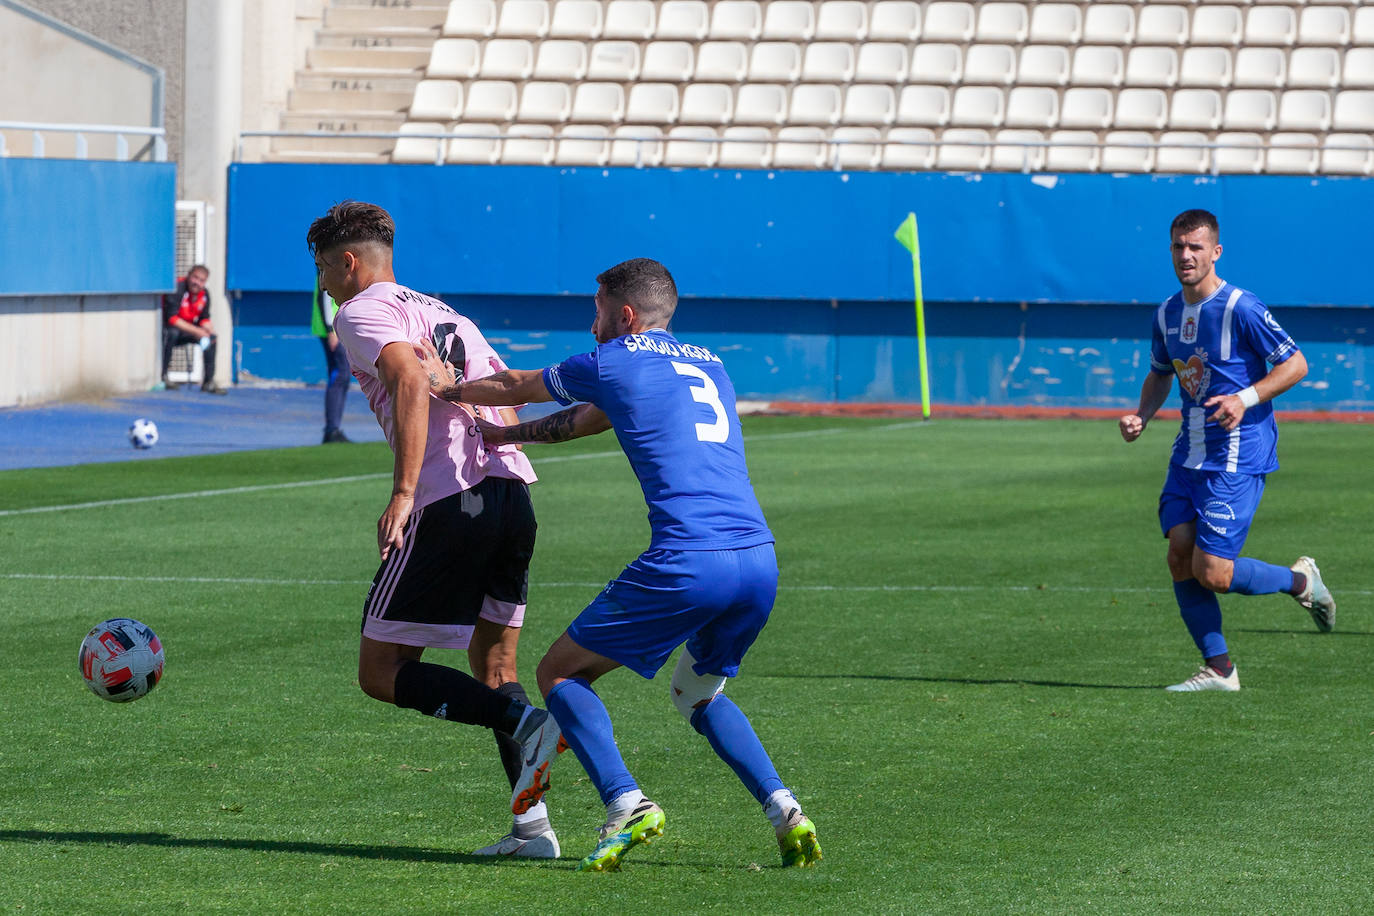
x=72, y=227
x=1039, y=288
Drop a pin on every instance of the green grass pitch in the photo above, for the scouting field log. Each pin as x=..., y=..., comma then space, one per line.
x=960, y=681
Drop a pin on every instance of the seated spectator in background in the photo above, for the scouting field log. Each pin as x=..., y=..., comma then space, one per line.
x=186, y=319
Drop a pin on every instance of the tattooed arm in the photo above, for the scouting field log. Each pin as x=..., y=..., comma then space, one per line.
x=574, y=423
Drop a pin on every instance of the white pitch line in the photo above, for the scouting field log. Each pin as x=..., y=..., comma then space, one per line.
x=259, y=488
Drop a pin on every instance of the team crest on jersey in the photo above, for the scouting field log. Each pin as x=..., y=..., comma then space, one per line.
x=1194, y=375
x=1189, y=333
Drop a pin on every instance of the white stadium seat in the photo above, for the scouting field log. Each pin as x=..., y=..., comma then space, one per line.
x=990, y=64
x=1362, y=31
x=1354, y=110
x=690, y=146
x=1128, y=151
x=1098, y=66
x=937, y=63
x=1293, y=154
x=1086, y=106
x=1359, y=68
x=814, y=103
x=470, y=19
x=652, y=103
x=1056, y=23
x=1218, y=25
x=1032, y=106
x=707, y=103
x=668, y=61
x=1161, y=24
x=1271, y=25
x=828, y=62
x=528, y=144
x=480, y=144
x=523, y=19
x=1019, y=151
x=507, y=59
x=1152, y=66
x=909, y=148
x=437, y=100
x=1183, y=151
x=600, y=103
x=1146, y=109
x=723, y=61
x=857, y=147
x=615, y=61
x=927, y=106
x=637, y=144
x=1007, y=23
x=1324, y=25
x=1072, y=151
x=869, y=104
x=746, y=148
x=1210, y=67
x=580, y=19
x=800, y=148
x=948, y=21
x=842, y=20
x=561, y=59
x=583, y=144
x=881, y=62
x=416, y=149
x=683, y=19
x=978, y=106
x=736, y=19
x=1314, y=68
x=490, y=100
x=760, y=103
x=1195, y=109
x=1305, y=109
x=1359, y=160
x=1109, y=23
x=964, y=150
x=1250, y=109
x=1043, y=65
x=454, y=58
x=629, y=19
x=775, y=62
x=789, y=20
x=1238, y=151
x=1260, y=68
x=543, y=100
x=894, y=20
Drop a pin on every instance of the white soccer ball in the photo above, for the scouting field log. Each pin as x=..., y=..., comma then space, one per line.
x=121, y=659
x=143, y=434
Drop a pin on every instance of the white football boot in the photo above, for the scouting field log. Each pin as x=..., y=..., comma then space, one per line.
x=1316, y=597
x=1208, y=678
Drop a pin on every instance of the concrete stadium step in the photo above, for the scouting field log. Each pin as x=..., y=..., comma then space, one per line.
x=396, y=59
x=353, y=81
x=286, y=155
x=378, y=18
x=350, y=103
x=331, y=122
x=394, y=38
x=342, y=144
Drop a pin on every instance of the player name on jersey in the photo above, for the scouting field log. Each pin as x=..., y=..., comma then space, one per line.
x=636, y=343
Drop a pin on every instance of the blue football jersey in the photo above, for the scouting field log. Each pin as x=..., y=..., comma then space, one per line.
x=1220, y=345
x=672, y=407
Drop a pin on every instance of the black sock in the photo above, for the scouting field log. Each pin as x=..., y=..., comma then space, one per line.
x=447, y=693
x=506, y=746
x=1299, y=583
x=1221, y=664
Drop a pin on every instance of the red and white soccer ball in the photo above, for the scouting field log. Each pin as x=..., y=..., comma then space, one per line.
x=121, y=659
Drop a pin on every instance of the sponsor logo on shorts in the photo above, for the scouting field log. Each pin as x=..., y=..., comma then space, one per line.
x=1217, y=510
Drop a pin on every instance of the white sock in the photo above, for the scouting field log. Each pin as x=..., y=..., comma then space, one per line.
x=533, y=822
x=623, y=804
x=779, y=805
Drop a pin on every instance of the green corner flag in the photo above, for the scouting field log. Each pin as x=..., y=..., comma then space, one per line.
x=906, y=234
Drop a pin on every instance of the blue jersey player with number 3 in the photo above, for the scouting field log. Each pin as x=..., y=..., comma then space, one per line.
x=1231, y=359
x=707, y=580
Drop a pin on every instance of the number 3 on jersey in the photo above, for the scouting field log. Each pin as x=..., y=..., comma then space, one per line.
x=708, y=393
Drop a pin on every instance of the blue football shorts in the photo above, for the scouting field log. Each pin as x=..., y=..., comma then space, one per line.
x=716, y=601
x=1223, y=505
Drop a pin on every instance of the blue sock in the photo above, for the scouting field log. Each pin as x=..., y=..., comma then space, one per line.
x=734, y=741
x=1252, y=577
x=587, y=728
x=1202, y=616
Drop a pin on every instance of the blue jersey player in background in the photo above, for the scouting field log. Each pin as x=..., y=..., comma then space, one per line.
x=1220, y=342
x=708, y=578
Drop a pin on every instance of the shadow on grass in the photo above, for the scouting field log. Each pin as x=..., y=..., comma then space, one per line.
x=1308, y=631
x=1016, y=681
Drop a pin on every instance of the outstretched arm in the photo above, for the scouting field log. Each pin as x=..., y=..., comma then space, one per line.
x=1154, y=391
x=504, y=389
x=573, y=423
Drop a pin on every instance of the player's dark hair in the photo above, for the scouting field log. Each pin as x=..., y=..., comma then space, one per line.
x=645, y=284
x=351, y=222
x=1190, y=220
